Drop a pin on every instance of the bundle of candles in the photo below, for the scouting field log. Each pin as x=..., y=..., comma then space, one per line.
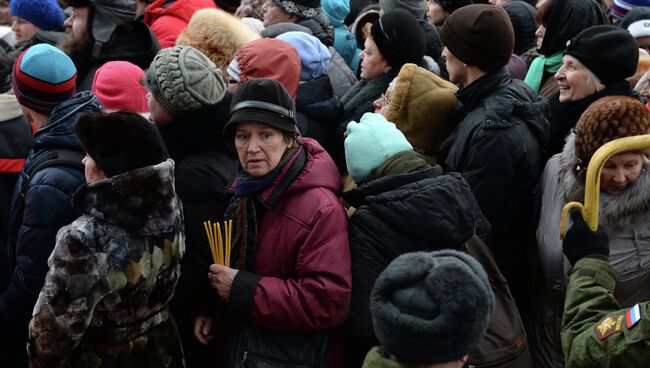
x=219, y=242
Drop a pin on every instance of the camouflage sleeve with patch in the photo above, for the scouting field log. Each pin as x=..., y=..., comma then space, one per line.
x=76, y=281
x=596, y=331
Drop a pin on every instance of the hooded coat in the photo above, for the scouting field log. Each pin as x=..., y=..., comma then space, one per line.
x=120, y=260
x=320, y=28
x=167, y=18
x=318, y=111
x=623, y=217
x=48, y=207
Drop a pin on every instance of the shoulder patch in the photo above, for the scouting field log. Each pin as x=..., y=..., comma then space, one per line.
x=633, y=316
x=609, y=325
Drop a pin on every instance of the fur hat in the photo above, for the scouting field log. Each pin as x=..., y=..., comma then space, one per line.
x=369, y=143
x=274, y=106
x=118, y=86
x=300, y=8
x=605, y=120
x=399, y=38
x=185, y=80
x=120, y=141
x=611, y=53
x=432, y=307
x=217, y=34
x=479, y=35
x=314, y=56
x=415, y=7
x=423, y=106
x=44, y=14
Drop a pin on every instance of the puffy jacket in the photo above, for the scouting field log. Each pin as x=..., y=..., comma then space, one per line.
x=48, y=207
x=167, y=18
x=346, y=45
x=341, y=76
x=318, y=111
x=320, y=27
x=121, y=261
x=497, y=147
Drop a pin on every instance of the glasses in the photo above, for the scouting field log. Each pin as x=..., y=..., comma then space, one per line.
x=385, y=99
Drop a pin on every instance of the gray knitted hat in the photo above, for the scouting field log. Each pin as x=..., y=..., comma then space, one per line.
x=432, y=307
x=186, y=80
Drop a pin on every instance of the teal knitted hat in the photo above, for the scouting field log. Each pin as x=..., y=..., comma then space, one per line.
x=370, y=142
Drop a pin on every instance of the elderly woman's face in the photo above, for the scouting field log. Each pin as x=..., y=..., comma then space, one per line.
x=373, y=63
x=575, y=80
x=260, y=147
x=91, y=171
x=621, y=171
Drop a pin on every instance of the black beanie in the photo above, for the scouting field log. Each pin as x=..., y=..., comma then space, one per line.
x=264, y=101
x=479, y=35
x=522, y=16
x=120, y=141
x=452, y=5
x=432, y=307
x=611, y=53
x=399, y=38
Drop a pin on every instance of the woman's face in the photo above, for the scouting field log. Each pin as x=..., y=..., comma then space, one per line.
x=260, y=147
x=381, y=104
x=539, y=33
x=373, y=63
x=157, y=114
x=435, y=13
x=621, y=171
x=273, y=14
x=91, y=171
x=23, y=29
x=575, y=80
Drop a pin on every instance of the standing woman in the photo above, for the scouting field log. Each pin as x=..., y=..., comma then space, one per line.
x=114, y=269
x=290, y=282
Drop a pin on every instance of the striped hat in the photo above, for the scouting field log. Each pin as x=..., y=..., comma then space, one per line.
x=43, y=77
x=621, y=7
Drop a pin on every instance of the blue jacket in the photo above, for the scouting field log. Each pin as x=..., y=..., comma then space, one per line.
x=346, y=45
x=48, y=207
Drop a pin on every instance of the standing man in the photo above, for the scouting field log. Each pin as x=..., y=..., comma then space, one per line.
x=497, y=147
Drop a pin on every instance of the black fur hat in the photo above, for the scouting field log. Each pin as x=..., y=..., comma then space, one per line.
x=120, y=141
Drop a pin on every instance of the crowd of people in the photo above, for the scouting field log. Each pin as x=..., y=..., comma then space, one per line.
x=322, y=183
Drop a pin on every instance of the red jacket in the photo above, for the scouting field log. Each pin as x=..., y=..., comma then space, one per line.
x=167, y=22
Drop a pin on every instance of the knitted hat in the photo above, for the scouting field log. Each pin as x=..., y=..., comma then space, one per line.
x=621, y=7
x=314, y=56
x=336, y=11
x=118, y=86
x=399, y=38
x=479, y=35
x=452, y=5
x=634, y=15
x=370, y=143
x=607, y=119
x=640, y=28
x=300, y=8
x=43, y=77
x=415, y=7
x=431, y=307
x=423, y=106
x=611, y=53
x=44, y=14
x=264, y=101
x=522, y=16
x=186, y=80
x=120, y=141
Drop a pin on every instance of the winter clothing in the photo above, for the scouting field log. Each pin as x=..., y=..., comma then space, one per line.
x=314, y=56
x=590, y=308
x=217, y=34
x=340, y=74
x=516, y=67
x=43, y=77
x=359, y=99
x=423, y=106
x=378, y=357
x=369, y=143
x=581, y=241
x=320, y=27
x=487, y=23
x=634, y=15
x=272, y=59
x=415, y=7
x=640, y=28
x=185, y=80
x=621, y=7
x=318, y=111
x=44, y=14
x=522, y=17
x=118, y=86
x=48, y=207
x=452, y=5
x=344, y=42
x=300, y=8
x=91, y=265
x=399, y=38
x=541, y=67
x=497, y=147
x=168, y=18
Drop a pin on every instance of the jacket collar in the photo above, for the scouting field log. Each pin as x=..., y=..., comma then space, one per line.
x=471, y=96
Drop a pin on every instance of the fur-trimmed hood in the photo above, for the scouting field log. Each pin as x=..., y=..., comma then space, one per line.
x=614, y=212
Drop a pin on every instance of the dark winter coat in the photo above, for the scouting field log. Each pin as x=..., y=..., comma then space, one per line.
x=48, y=207
x=320, y=28
x=137, y=45
x=121, y=261
x=497, y=148
x=340, y=74
x=318, y=111
x=432, y=38
x=167, y=18
x=359, y=99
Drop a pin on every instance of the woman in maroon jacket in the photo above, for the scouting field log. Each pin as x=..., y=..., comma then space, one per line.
x=290, y=284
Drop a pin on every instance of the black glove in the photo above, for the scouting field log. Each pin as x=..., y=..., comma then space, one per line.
x=580, y=241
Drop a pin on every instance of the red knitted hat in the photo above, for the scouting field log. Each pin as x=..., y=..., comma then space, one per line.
x=118, y=86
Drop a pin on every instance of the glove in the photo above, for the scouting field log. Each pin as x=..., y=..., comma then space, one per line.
x=580, y=241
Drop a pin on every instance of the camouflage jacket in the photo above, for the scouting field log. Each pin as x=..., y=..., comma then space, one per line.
x=111, y=275
x=596, y=332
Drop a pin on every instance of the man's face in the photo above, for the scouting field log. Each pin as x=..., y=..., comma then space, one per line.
x=455, y=67
x=273, y=14
x=77, y=24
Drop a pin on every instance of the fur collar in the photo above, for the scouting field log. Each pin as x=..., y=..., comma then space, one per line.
x=614, y=211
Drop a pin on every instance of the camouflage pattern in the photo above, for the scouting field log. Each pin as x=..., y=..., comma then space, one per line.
x=591, y=333
x=111, y=276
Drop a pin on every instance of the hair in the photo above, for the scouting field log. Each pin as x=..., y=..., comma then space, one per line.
x=544, y=12
x=72, y=46
x=149, y=81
